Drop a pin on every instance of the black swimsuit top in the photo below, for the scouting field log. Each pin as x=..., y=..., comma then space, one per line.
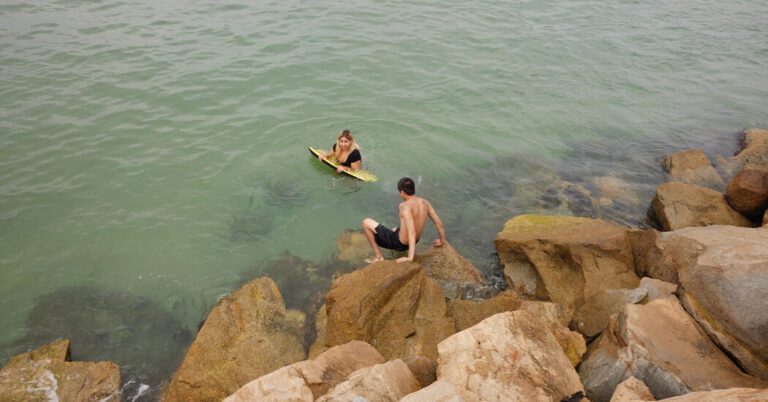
x=353, y=157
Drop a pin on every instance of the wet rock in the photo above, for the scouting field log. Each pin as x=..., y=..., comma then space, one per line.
x=309, y=379
x=352, y=247
x=754, y=154
x=678, y=205
x=509, y=356
x=250, y=225
x=592, y=318
x=395, y=307
x=747, y=193
x=565, y=259
x=467, y=313
x=660, y=344
x=692, y=167
x=424, y=369
x=283, y=194
x=729, y=395
x=385, y=382
x=247, y=334
x=632, y=389
x=723, y=279
x=446, y=265
x=45, y=374
x=137, y=334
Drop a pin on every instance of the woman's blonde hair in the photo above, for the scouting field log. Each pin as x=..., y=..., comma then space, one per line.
x=348, y=135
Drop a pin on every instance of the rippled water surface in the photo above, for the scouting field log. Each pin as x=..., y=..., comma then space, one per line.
x=156, y=151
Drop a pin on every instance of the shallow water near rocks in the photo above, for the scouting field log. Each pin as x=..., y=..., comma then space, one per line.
x=159, y=150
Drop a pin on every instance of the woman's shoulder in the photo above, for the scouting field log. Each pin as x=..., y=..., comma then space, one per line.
x=355, y=154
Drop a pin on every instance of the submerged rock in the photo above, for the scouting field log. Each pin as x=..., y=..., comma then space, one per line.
x=660, y=344
x=247, y=334
x=692, y=166
x=352, y=247
x=395, y=307
x=565, y=259
x=310, y=379
x=145, y=340
x=250, y=225
x=280, y=193
x=46, y=374
x=679, y=205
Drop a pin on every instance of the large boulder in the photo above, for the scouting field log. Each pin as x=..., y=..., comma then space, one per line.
x=660, y=344
x=441, y=391
x=310, y=379
x=679, y=205
x=754, y=155
x=723, y=285
x=573, y=344
x=747, y=193
x=247, y=334
x=446, y=265
x=395, y=307
x=692, y=166
x=385, y=382
x=45, y=374
x=565, y=259
x=510, y=356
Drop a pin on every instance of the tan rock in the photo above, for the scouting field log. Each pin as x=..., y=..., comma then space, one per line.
x=247, y=334
x=692, y=166
x=44, y=374
x=321, y=322
x=656, y=289
x=445, y=264
x=660, y=344
x=724, y=395
x=510, y=356
x=467, y=313
x=747, y=193
x=441, y=391
x=309, y=379
x=395, y=307
x=722, y=283
x=565, y=259
x=679, y=205
x=754, y=155
x=385, y=382
x=592, y=317
x=632, y=389
x=424, y=369
x=573, y=344
x=351, y=246
x=765, y=219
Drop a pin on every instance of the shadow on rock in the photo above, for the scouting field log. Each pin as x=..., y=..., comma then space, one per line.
x=146, y=341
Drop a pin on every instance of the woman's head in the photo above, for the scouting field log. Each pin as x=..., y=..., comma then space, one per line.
x=345, y=141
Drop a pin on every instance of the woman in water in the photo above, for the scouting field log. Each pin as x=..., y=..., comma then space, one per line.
x=346, y=151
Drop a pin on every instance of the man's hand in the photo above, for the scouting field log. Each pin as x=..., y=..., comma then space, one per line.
x=437, y=243
x=404, y=259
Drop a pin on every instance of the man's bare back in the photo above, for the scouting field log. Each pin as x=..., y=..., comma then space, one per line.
x=414, y=212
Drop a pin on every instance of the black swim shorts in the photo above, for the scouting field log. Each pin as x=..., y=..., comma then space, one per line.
x=388, y=238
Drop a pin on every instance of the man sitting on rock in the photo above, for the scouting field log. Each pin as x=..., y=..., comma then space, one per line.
x=413, y=216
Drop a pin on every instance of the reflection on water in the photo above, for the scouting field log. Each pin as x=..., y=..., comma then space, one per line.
x=145, y=340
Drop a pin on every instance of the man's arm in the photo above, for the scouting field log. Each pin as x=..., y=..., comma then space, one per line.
x=406, y=221
x=438, y=224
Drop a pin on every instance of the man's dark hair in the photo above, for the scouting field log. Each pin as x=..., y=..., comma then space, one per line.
x=406, y=185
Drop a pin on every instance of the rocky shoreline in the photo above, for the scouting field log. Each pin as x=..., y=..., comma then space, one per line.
x=593, y=310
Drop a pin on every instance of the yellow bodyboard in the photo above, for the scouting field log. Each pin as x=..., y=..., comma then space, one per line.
x=331, y=161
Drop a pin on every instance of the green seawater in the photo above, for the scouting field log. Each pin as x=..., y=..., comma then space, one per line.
x=157, y=150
